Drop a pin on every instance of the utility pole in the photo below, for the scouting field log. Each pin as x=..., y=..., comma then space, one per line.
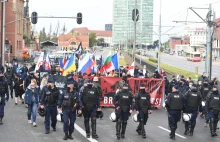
x=135, y=24
x=3, y=31
x=158, y=60
x=141, y=31
x=209, y=44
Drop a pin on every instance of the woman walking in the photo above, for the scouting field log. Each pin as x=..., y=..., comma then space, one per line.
x=31, y=101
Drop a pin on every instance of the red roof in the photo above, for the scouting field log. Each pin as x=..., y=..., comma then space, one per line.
x=101, y=33
x=81, y=31
x=65, y=40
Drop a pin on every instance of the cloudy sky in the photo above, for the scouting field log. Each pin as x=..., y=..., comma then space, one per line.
x=97, y=13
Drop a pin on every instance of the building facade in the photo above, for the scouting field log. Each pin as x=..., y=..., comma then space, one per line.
x=107, y=35
x=15, y=31
x=108, y=27
x=123, y=25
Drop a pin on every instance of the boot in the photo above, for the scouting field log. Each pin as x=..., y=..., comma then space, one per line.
x=211, y=125
x=94, y=135
x=138, y=130
x=215, y=127
x=124, y=124
x=118, y=129
x=70, y=136
x=86, y=122
x=1, y=121
x=186, y=128
x=191, y=132
x=142, y=129
x=65, y=137
x=172, y=134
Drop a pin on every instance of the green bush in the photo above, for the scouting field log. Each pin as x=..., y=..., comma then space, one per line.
x=153, y=60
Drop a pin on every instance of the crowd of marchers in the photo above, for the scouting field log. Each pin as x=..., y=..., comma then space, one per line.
x=184, y=97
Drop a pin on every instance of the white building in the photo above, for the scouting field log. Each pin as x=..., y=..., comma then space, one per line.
x=197, y=35
x=107, y=35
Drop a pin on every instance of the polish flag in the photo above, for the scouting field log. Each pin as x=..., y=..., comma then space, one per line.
x=131, y=69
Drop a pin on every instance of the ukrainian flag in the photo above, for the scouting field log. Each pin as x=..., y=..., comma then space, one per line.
x=70, y=65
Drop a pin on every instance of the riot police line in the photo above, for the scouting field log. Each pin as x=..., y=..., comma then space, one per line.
x=62, y=92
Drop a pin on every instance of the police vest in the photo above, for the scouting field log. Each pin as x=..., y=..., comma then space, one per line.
x=69, y=100
x=8, y=76
x=176, y=102
x=144, y=102
x=124, y=100
x=90, y=98
x=193, y=100
x=50, y=97
x=214, y=102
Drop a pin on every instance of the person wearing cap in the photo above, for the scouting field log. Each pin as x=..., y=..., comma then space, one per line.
x=3, y=91
x=213, y=107
x=31, y=101
x=69, y=102
x=91, y=104
x=18, y=87
x=183, y=88
x=193, y=104
x=9, y=75
x=70, y=77
x=123, y=108
x=142, y=107
x=49, y=98
x=30, y=76
x=97, y=85
x=174, y=104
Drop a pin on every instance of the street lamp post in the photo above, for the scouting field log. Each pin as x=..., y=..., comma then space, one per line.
x=135, y=24
x=3, y=30
x=158, y=60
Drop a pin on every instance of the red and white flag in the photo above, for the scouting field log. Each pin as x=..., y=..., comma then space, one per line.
x=131, y=69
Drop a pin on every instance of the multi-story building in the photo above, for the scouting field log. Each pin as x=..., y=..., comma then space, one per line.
x=15, y=31
x=123, y=25
x=108, y=27
x=27, y=23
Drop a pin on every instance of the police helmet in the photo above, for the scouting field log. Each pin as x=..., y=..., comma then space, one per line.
x=41, y=112
x=135, y=118
x=203, y=103
x=99, y=114
x=112, y=117
x=59, y=117
x=187, y=116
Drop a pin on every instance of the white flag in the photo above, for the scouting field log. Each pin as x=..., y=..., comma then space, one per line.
x=47, y=63
x=40, y=61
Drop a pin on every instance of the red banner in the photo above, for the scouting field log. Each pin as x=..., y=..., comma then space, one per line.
x=155, y=87
x=109, y=87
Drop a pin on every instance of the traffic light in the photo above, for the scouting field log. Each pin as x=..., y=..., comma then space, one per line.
x=133, y=14
x=79, y=18
x=34, y=18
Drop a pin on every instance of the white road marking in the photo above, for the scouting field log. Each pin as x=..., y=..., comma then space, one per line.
x=169, y=131
x=81, y=131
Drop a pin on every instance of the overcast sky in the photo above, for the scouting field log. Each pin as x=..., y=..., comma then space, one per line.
x=97, y=13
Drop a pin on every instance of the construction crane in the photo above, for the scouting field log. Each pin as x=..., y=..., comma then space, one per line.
x=57, y=29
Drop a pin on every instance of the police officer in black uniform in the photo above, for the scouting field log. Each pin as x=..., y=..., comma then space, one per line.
x=3, y=91
x=174, y=104
x=69, y=101
x=193, y=102
x=143, y=107
x=205, y=88
x=123, y=109
x=9, y=75
x=213, y=107
x=28, y=79
x=91, y=103
x=49, y=99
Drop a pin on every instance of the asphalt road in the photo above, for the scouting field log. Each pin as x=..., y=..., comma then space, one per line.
x=16, y=129
x=182, y=63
